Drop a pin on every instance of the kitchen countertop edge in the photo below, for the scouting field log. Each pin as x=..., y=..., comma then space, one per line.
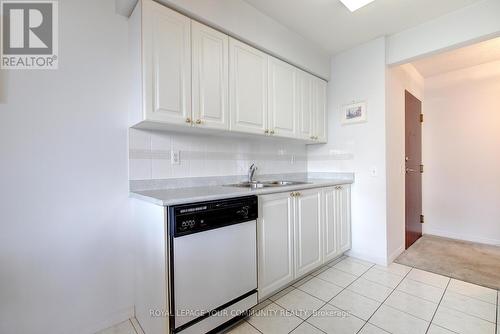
x=169, y=197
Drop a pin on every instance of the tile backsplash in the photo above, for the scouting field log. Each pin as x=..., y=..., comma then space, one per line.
x=204, y=155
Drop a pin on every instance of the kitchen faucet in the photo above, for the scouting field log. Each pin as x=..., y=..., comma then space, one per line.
x=251, y=173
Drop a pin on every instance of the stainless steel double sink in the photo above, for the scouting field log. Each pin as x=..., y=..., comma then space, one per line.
x=265, y=184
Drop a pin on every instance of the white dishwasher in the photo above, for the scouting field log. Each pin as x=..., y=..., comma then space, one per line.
x=213, y=263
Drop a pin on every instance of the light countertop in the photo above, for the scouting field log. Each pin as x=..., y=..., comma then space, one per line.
x=168, y=197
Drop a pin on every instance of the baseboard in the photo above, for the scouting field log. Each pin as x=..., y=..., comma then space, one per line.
x=458, y=236
x=394, y=255
x=367, y=257
x=109, y=321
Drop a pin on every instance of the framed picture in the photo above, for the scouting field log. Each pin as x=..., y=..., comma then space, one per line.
x=354, y=113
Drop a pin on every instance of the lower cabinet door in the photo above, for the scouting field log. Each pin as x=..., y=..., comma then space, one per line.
x=331, y=247
x=275, y=243
x=344, y=216
x=308, y=221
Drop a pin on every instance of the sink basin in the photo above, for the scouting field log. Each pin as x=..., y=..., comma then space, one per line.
x=265, y=184
x=251, y=185
x=284, y=183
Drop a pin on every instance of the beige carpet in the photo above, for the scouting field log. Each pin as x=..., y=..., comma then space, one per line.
x=466, y=261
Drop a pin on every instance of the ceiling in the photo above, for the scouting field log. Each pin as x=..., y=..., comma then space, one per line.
x=333, y=27
x=468, y=56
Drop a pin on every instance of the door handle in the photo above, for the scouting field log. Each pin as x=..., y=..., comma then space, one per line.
x=410, y=170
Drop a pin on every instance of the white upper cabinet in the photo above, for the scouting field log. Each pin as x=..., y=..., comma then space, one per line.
x=304, y=98
x=282, y=101
x=247, y=88
x=308, y=223
x=275, y=243
x=319, y=111
x=210, y=77
x=166, y=37
x=188, y=75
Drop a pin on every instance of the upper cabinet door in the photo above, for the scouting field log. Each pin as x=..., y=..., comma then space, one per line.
x=320, y=115
x=282, y=110
x=210, y=77
x=247, y=88
x=167, y=64
x=304, y=96
x=308, y=223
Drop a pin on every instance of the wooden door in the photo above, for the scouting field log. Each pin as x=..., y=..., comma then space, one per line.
x=210, y=77
x=167, y=64
x=308, y=221
x=247, y=88
x=275, y=243
x=414, y=218
x=282, y=110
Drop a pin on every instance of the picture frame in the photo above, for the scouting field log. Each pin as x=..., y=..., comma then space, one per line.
x=354, y=113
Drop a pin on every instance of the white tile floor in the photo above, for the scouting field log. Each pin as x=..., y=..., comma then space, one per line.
x=352, y=296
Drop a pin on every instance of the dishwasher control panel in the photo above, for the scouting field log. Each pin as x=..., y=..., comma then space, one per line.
x=198, y=217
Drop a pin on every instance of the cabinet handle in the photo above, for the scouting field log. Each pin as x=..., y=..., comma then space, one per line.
x=198, y=121
x=188, y=120
x=272, y=132
x=266, y=131
x=299, y=194
x=292, y=194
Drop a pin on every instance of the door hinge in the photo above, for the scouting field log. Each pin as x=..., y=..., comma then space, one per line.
x=421, y=118
x=422, y=169
x=422, y=219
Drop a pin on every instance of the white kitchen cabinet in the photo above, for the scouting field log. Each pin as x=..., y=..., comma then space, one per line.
x=210, y=77
x=319, y=111
x=166, y=64
x=247, y=88
x=343, y=206
x=281, y=97
x=275, y=242
x=189, y=77
x=308, y=223
x=331, y=248
x=300, y=231
x=304, y=101
x=337, y=221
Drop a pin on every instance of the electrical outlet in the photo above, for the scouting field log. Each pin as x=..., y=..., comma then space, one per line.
x=175, y=157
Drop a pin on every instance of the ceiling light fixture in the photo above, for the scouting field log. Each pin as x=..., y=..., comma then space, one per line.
x=354, y=5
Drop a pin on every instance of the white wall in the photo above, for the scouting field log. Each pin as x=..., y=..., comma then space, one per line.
x=210, y=155
x=465, y=26
x=65, y=265
x=247, y=23
x=359, y=74
x=461, y=140
x=399, y=79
